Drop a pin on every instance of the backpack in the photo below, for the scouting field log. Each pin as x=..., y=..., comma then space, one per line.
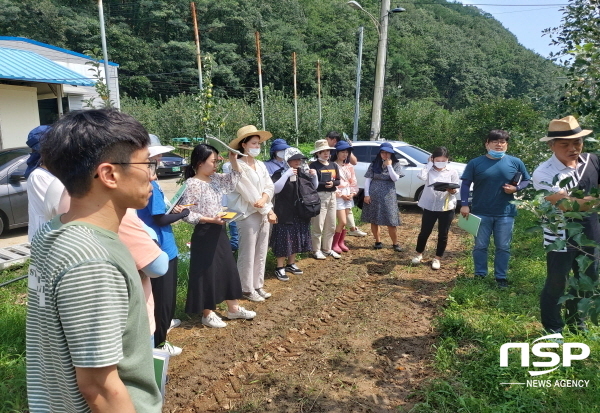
x=308, y=203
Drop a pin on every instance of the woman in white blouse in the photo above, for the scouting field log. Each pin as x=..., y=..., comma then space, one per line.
x=437, y=205
x=252, y=198
x=213, y=275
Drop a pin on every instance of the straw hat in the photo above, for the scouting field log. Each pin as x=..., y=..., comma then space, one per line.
x=565, y=128
x=322, y=145
x=249, y=130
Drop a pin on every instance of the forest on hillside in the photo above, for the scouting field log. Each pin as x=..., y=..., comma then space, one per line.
x=445, y=52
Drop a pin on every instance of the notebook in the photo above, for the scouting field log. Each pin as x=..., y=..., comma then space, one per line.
x=470, y=225
x=161, y=364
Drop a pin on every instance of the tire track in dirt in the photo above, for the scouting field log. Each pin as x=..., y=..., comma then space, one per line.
x=307, y=322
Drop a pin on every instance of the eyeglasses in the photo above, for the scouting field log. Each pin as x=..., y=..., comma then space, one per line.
x=499, y=142
x=152, y=165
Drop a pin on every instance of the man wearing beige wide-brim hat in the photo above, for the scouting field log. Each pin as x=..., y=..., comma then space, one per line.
x=565, y=139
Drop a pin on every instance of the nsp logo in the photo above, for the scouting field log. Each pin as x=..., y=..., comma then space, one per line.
x=538, y=351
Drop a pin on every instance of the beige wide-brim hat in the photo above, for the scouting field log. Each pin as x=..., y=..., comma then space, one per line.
x=249, y=130
x=322, y=145
x=565, y=128
x=157, y=148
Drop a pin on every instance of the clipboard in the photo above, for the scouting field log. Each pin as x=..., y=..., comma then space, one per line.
x=176, y=198
x=470, y=225
x=230, y=215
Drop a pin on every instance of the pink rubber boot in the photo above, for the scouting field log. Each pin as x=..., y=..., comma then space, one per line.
x=341, y=244
x=336, y=240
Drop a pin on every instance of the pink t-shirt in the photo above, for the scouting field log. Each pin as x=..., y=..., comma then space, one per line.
x=144, y=250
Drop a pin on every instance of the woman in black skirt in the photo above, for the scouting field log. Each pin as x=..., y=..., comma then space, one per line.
x=291, y=234
x=213, y=275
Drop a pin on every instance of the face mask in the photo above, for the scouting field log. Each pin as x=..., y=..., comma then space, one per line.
x=496, y=154
x=254, y=152
x=324, y=158
x=440, y=165
x=279, y=154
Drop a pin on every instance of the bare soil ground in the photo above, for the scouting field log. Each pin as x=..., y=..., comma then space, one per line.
x=350, y=335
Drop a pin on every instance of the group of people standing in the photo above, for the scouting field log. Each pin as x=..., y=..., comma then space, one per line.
x=89, y=311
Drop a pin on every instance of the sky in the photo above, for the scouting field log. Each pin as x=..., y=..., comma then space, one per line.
x=525, y=19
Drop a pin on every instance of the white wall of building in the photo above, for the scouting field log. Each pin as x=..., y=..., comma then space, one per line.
x=18, y=114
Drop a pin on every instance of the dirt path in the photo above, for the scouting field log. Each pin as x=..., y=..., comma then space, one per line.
x=350, y=335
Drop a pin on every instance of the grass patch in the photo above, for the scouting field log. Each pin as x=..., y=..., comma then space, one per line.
x=13, y=395
x=479, y=318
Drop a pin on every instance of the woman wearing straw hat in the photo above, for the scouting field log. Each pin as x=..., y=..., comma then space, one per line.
x=252, y=198
x=323, y=225
x=380, y=205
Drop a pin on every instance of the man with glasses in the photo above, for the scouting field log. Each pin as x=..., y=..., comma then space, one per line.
x=568, y=169
x=87, y=325
x=496, y=177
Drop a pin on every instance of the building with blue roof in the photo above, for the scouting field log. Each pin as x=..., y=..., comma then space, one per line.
x=39, y=82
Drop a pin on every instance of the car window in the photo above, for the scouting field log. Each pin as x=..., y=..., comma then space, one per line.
x=417, y=154
x=7, y=156
x=362, y=153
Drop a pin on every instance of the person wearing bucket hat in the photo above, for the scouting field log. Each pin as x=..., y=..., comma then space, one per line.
x=333, y=138
x=323, y=225
x=380, y=204
x=277, y=150
x=496, y=177
x=38, y=181
x=565, y=140
x=164, y=289
x=291, y=234
x=252, y=197
x=345, y=192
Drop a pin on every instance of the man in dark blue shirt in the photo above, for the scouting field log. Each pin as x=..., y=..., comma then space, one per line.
x=496, y=177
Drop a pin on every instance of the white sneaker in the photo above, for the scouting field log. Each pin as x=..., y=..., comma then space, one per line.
x=417, y=259
x=241, y=313
x=334, y=254
x=173, y=350
x=174, y=324
x=435, y=264
x=357, y=233
x=319, y=255
x=213, y=321
x=253, y=296
x=263, y=293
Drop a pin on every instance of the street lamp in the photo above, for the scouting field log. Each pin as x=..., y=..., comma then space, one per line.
x=382, y=28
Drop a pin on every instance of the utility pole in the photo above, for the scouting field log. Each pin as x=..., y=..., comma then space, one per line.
x=319, y=94
x=104, y=49
x=197, y=38
x=260, y=85
x=380, y=72
x=295, y=96
x=358, y=72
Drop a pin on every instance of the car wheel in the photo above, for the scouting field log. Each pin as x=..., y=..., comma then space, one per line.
x=3, y=222
x=419, y=193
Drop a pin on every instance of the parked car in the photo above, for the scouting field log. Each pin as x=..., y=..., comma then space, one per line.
x=13, y=188
x=171, y=164
x=408, y=188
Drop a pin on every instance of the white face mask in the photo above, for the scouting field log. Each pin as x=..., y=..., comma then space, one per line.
x=279, y=154
x=254, y=152
x=324, y=158
x=440, y=165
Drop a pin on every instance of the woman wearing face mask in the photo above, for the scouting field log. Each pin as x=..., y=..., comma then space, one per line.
x=344, y=194
x=252, y=198
x=381, y=205
x=291, y=234
x=438, y=206
x=277, y=150
x=213, y=276
x=323, y=225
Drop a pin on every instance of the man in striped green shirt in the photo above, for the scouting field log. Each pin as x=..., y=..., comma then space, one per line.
x=88, y=338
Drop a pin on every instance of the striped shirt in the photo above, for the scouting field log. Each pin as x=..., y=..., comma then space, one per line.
x=549, y=175
x=85, y=309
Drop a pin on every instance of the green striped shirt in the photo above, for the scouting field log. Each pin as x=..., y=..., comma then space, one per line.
x=86, y=308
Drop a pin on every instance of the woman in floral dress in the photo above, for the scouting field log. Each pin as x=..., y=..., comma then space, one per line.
x=213, y=275
x=381, y=206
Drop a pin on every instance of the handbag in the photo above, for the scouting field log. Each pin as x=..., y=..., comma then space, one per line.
x=359, y=198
